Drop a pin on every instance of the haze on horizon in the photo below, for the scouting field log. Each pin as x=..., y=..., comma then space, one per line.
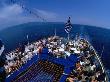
x=86, y=12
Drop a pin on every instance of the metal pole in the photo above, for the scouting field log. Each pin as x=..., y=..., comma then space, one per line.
x=55, y=32
x=28, y=39
x=68, y=36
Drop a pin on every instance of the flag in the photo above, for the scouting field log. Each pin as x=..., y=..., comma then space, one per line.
x=68, y=26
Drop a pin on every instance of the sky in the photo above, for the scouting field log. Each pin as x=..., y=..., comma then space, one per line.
x=87, y=12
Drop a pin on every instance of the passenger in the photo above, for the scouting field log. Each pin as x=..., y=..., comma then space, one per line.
x=79, y=78
x=82, y=62
x=78, y=65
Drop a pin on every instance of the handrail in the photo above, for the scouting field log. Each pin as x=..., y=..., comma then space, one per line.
x=99, y=60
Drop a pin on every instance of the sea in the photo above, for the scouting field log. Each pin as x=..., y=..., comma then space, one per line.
x=99, y=37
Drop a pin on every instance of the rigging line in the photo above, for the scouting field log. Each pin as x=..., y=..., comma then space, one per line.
x=28, y=10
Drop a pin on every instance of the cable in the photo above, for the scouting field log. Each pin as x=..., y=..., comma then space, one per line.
x=28, y=10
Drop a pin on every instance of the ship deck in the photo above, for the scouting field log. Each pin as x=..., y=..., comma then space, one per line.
x=66, y=64
x=73, y=63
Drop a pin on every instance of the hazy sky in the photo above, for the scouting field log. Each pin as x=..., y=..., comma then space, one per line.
x=88, y=12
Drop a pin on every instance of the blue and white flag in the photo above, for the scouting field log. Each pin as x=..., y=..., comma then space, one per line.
x=68, y=26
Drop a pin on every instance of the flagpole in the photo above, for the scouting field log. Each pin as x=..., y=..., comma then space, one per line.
x=68, y=36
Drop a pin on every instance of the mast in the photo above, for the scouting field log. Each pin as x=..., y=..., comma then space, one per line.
x=68, y=28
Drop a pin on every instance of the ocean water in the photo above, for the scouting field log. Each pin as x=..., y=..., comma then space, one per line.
x=97, y=36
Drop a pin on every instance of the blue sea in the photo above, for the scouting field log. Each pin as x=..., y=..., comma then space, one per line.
x=97, y=36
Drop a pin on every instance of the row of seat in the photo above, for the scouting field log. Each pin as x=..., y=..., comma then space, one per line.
x=42, y=71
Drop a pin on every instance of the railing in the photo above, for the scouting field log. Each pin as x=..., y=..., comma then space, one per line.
x=99, y=60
